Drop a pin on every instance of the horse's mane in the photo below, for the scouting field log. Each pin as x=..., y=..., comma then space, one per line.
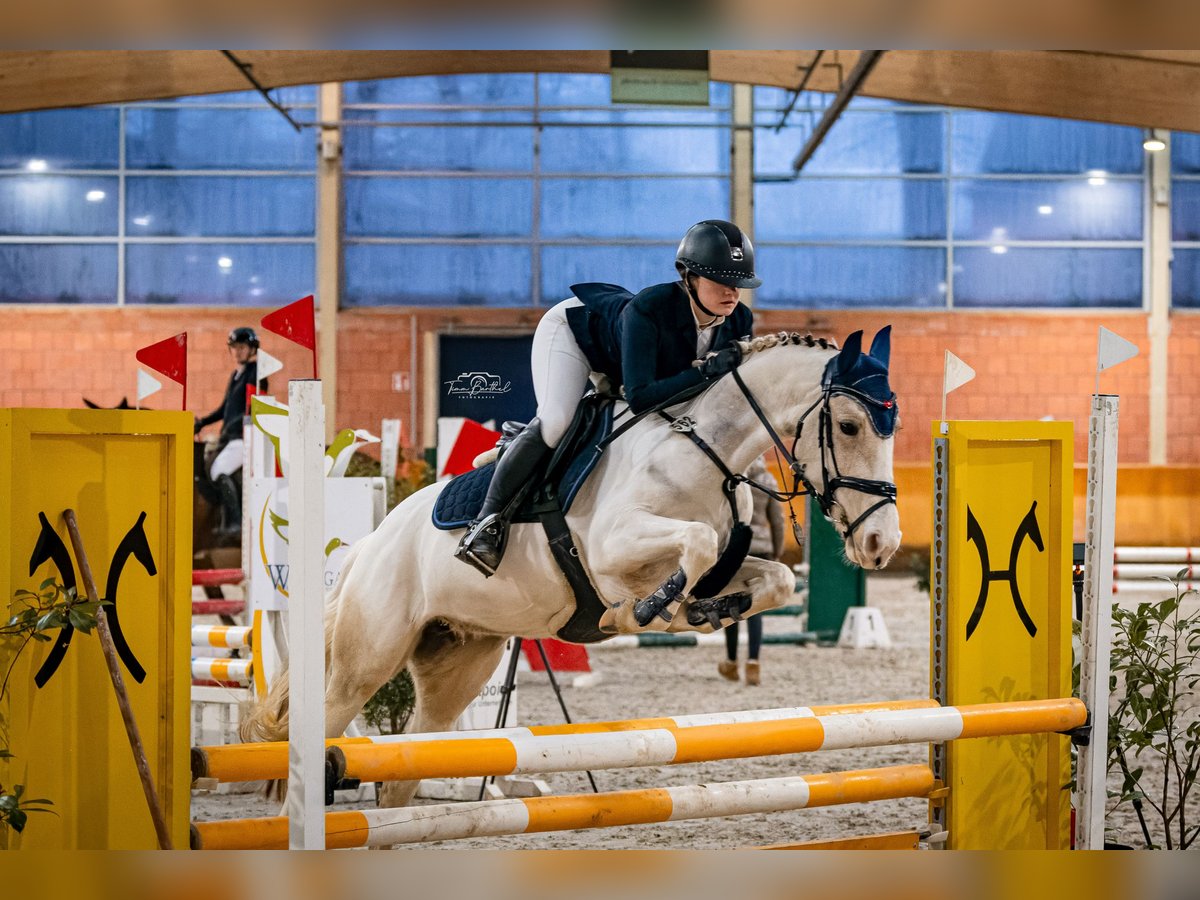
x=784, y=338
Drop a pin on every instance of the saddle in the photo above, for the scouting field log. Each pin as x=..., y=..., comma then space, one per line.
x=573, y=460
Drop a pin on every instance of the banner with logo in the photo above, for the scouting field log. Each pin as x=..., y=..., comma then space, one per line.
x=484, y=378
x=353, y=508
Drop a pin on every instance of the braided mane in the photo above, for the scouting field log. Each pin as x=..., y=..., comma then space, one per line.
x=784, y=338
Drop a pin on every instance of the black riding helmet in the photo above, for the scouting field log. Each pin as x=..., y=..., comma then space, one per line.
x=719, y=251
x=243, y=335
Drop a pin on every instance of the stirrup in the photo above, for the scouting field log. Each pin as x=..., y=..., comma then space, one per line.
x=713, y=611
x=487, y=557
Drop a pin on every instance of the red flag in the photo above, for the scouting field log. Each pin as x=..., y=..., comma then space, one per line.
x=296, y=322
x=168, y=357
x=562, y=657
x=472, y=440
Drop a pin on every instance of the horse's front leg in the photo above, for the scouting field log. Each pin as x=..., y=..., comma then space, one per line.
x=652, y=561
x=758, y=585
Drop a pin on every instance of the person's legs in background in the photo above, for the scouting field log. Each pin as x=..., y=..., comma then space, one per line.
x=728, y=667
x=754, y=627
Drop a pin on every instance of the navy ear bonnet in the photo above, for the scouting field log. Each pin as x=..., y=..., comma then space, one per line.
x=864, y=376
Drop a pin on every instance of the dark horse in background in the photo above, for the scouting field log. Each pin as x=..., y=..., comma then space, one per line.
x=209, y=549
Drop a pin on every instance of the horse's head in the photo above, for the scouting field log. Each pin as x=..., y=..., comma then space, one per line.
x=843, y=423
x=856, y=441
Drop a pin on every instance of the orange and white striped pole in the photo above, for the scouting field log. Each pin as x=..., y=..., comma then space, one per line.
x=674, y=745
x=408, y=825
x=230, y=763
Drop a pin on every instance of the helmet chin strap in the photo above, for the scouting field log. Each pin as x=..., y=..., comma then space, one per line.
x=695, y=295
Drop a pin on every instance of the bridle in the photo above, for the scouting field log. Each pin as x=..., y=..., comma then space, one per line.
x=801, y=484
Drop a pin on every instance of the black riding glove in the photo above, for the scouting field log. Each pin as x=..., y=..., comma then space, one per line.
x=721, y=362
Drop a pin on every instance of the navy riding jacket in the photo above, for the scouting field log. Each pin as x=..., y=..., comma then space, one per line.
x=233, y=407
x=646, y=343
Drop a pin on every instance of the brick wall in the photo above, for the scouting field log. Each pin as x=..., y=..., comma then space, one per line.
x=1029, y=365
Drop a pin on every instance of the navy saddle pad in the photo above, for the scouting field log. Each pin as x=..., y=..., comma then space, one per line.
x=461, y=499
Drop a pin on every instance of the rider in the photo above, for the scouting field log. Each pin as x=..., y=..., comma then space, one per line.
x=668, y=338
x=243, y=345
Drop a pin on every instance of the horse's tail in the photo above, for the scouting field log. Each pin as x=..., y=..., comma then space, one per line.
x=267, y=719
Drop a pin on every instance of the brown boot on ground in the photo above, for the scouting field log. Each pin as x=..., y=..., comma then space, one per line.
x=728, y=669
x=752, y=672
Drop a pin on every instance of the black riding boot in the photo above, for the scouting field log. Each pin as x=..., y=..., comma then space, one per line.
x=231, y=506
x=483, y=544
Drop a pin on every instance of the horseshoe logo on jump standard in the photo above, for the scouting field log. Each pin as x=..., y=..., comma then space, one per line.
x=51, y=547
x=1027, y=529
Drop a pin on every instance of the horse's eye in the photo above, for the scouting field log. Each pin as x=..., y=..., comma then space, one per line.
x=850, y=429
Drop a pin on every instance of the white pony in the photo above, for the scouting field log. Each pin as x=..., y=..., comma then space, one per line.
x=653, y=514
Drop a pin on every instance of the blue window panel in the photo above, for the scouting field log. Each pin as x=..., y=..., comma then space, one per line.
x=432, y=148
x=834, y=277
x=1185, y=211
x=217, y=206
x=1000, y=143
x=596, y=90
x=58, y=273
x=437, y=275
x=299, y=95
x=631, y=267
x=1185, y=153
x=636, y=150
x=256, y=274
x=658, y=208
x=860, y=143
x=215, y=139
x=841, y=208
x=63, y=138
x=1047, y=277
x=658, y=115
x=1185, y=278
x=770, y=102
x=445, y=90
x=425, y=115
x=58, y=205
x=1048, y=210
x=438, y=207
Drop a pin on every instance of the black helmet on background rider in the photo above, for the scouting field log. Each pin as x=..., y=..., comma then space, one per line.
x=243, y=335
x=719, y=251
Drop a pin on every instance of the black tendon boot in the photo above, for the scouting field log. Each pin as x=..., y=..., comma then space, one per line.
x=231, y=506
x=483, y=544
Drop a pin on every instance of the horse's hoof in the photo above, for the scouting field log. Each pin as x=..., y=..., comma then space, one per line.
x=608, y=621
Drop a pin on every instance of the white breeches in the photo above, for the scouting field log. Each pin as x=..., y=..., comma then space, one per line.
x=228, y=461
x=560, y=372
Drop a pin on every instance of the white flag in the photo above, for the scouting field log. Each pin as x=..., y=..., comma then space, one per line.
x=957, y=373
x=267, y=365
x=146, y=385
x=1113, y=350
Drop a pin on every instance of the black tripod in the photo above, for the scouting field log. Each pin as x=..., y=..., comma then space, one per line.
x=510, y=677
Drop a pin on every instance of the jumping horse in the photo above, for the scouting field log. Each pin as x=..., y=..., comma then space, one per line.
x=649, y=522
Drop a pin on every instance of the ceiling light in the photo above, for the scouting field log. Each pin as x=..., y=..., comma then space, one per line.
x=225, y=263
x=95, y=196
x=1154, y=144
x=143, y=221
x=999, y=248
x=36, y=165
x=1045, y=209
x=1097, y=177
